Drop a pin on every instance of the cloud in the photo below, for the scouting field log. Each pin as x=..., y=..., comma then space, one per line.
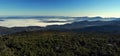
x=27, y=22
x=47, y=21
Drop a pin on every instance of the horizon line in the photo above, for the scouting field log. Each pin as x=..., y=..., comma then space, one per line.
x=57, y=16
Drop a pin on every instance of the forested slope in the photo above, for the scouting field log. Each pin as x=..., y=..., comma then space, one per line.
x=56, y=43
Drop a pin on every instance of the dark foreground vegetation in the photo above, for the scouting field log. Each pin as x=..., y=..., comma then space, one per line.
x=54, y=43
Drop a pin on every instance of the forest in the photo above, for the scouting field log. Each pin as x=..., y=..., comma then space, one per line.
x=60, y=43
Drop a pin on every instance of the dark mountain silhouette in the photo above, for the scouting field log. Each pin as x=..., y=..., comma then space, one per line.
x=5, y=30
x=83, y=24
x=103, y=29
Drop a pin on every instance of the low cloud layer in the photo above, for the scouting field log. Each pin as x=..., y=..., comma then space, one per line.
x=31, y=21
x=27, y=22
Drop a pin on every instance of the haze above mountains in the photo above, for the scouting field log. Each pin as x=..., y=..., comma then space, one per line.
x=24, y=21
x=75, y=24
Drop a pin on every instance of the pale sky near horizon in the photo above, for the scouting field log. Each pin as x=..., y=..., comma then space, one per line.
x=104, y=8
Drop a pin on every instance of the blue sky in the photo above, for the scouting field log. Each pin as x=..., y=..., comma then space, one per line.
x=104, y=8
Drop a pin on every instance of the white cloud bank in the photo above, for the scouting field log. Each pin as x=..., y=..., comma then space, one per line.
x=26, y=22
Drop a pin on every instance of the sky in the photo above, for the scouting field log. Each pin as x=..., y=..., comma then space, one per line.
x=103, y=8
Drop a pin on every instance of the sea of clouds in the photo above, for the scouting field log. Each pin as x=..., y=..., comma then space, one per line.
x=23, y=22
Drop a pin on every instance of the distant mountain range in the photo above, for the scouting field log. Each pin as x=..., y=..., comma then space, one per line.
x=29, y=17
x=96, y=25
x=61, y=17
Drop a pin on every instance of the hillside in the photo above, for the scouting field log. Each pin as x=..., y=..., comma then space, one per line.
x=58, y=43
